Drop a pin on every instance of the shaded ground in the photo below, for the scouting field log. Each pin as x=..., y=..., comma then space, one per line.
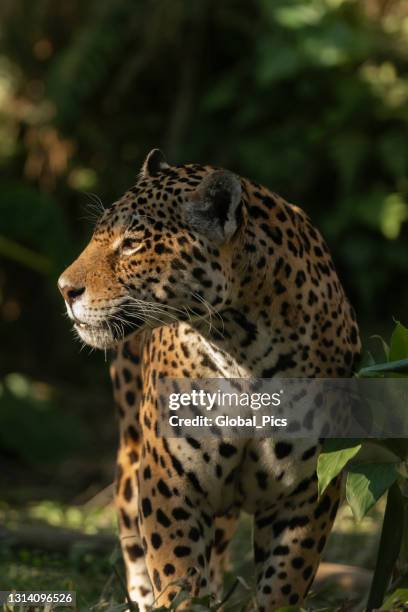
x=82, y=555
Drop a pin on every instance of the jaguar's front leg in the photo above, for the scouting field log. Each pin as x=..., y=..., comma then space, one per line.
x=176, y=525
x=137, y=578
x=125, y=373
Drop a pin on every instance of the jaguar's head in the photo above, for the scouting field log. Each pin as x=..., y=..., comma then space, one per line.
x=165, y=251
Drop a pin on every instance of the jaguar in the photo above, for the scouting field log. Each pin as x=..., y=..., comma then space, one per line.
x=194, y=273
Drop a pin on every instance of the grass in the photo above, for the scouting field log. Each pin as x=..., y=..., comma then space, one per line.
x=33, y=571
x=98, y=579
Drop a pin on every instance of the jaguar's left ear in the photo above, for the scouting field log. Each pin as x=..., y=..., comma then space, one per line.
x=154, y=163
x=214, y=209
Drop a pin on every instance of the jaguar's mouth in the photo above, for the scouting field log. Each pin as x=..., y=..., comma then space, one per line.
x=91, y=326
x=80, y=325
x=107, y=333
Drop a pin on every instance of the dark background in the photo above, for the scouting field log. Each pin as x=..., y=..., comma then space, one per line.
x=307, y=97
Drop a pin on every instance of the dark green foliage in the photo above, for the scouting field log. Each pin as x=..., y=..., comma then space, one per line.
x=308, y=98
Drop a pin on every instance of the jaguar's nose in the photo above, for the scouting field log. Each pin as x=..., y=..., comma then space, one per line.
x=69, y=293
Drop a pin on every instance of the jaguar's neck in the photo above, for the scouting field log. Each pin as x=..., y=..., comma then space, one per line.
x=249, y=341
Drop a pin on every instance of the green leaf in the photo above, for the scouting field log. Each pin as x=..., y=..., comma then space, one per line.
x=397, y=367
x=399, y=343
x=335, y=455
x=399, y=597
x=367, y=483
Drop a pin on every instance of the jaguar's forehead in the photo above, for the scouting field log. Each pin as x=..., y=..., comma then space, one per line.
x=152, y=197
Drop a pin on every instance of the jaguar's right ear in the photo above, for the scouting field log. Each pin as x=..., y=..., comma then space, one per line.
x=214, y=209
x=154, y=163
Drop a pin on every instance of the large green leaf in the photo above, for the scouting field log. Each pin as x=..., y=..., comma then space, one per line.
x=367, y=483
x=335, y=455
x=399, y=343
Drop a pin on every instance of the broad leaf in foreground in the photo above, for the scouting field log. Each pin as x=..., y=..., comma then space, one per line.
x=335, y=455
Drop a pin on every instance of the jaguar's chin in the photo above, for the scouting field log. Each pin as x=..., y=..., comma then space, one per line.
x=106, y=334
x=96, y=336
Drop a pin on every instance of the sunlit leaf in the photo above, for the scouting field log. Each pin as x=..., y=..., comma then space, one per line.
x=335, y=455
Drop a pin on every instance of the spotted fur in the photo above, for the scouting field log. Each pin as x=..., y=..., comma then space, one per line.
x=196, y=272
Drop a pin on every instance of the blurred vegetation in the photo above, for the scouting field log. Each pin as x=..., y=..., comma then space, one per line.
x=309, y=97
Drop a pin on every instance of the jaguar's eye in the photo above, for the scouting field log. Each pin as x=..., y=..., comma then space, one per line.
x=129, y=246
x=127, y=243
